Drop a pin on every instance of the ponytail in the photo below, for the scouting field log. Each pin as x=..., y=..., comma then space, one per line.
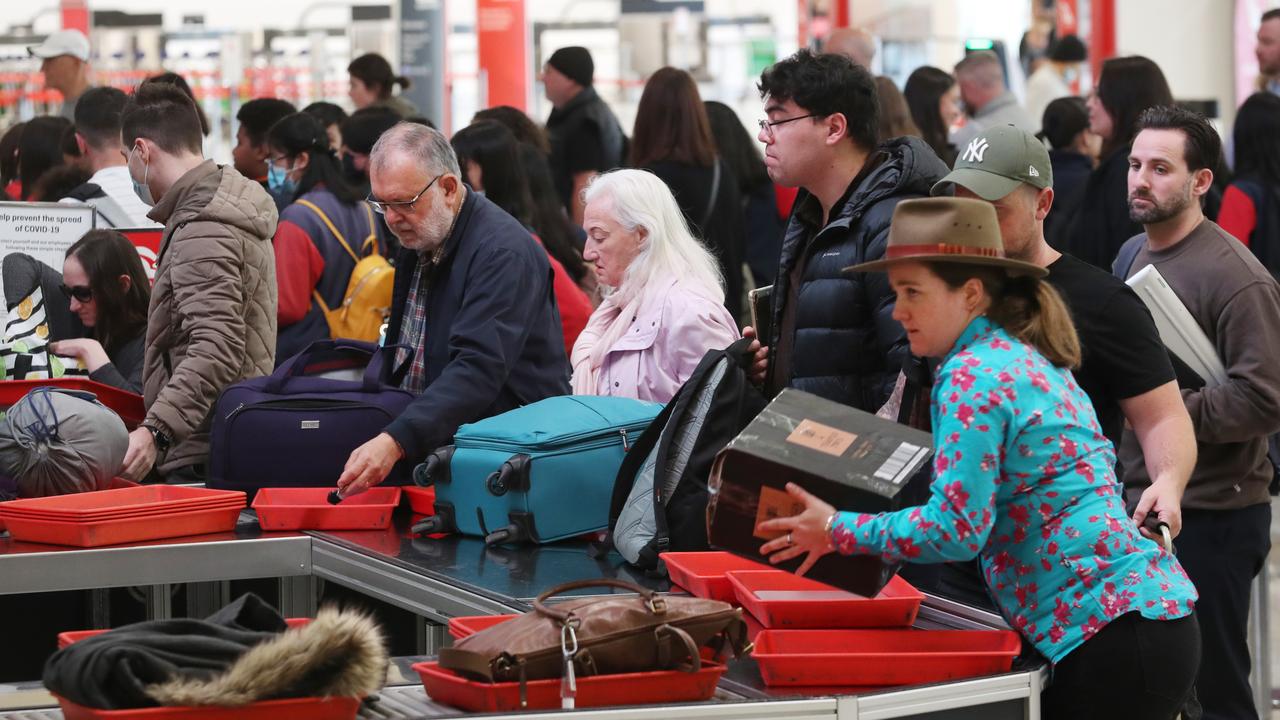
x=404, y=82
x=1031, y=310
x=1028, y=308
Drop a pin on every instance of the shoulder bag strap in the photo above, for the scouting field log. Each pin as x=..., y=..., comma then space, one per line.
x=370, y=244
x=715, y=192
x=1124, y=259
x=329, y=224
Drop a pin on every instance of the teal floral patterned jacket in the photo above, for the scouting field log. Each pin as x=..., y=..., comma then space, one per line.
x=1024, y=480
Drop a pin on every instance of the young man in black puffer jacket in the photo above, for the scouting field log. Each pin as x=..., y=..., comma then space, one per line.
x=833, y=332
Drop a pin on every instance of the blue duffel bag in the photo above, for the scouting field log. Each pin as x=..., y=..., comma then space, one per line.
x=538, y=473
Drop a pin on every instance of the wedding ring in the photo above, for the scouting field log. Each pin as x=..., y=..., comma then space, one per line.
x=789, y=539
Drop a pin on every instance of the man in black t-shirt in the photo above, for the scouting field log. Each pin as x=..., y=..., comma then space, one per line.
x=1125, y=368
x=586, y=138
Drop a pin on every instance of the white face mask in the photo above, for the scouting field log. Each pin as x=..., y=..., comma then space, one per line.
x=1071, y=74
x=141, y=189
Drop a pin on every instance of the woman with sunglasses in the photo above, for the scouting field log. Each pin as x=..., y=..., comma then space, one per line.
x=103, y=278
x=325, y=228
x=1024, y=479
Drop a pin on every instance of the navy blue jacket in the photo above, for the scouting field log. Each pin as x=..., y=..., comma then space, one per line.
x=847, y=346
x=493, y=339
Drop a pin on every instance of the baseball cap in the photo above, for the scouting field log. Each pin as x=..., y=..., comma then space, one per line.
x=996, y=162
x=62, y=42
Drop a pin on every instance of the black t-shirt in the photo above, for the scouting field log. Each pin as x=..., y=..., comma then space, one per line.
x=1122, y=355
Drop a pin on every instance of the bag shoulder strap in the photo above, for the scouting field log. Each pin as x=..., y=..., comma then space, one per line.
x=715, y=192
x=370, y=244
x=332, y=228
x=1124, y=259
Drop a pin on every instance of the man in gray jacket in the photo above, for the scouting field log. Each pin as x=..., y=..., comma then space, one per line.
x=212, y=318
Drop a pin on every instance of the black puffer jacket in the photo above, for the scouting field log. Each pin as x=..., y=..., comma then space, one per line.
x=848, y=348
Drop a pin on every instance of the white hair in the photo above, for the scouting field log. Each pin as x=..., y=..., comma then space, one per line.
x=427, y=145
x=640, y=200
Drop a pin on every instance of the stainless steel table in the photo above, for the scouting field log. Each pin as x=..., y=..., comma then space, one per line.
x=442, y=578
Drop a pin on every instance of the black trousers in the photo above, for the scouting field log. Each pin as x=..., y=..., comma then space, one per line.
x=1222, y=551
x=1134, y=668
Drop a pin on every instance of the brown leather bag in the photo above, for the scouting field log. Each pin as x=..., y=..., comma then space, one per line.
x=599, y=635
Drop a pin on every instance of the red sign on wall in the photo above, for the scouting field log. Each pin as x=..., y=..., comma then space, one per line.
x=504, y=52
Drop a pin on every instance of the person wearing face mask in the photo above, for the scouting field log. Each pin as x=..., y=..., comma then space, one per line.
x=1054, y=78
x=473, y=297
x=359, y=132
x=325, y=226
x=664, y=304
x=212, y=317
x=103, y=278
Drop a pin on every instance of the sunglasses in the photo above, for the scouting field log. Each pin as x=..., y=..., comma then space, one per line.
x=83, y=293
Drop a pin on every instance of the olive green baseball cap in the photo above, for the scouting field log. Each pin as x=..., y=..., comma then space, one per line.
x=996, y=162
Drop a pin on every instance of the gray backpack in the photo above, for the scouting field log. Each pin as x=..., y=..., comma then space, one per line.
x=56, y=442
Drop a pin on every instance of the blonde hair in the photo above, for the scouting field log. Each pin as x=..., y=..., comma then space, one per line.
x=640, y=200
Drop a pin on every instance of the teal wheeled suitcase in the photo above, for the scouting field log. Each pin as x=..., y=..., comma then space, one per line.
x=538, y=473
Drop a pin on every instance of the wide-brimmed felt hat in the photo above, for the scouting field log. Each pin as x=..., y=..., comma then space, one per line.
x=947, y=229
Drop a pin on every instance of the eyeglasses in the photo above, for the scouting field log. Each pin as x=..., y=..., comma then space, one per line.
x=402, y=206
x=273, y=163
x=83, y=293
x=767, y=126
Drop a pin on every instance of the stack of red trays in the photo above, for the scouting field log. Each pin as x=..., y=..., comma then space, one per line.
x=133, y=514
x=807, y=633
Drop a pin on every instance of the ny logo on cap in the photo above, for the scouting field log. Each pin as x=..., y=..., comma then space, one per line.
x=977, y=148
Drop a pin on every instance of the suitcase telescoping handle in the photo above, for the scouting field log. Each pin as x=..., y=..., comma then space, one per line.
x=375, y=374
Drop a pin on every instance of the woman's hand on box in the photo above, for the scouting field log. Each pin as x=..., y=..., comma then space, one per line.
x=806, y=533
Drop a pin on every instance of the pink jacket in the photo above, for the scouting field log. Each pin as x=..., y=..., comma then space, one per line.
x=673, y=329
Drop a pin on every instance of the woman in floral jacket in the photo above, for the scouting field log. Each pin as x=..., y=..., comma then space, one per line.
x=1023, y=477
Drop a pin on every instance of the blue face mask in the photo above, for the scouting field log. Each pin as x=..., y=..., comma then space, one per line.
x=279, y=184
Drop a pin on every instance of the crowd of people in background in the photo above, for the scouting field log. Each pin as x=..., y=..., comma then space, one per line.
x=536, y=259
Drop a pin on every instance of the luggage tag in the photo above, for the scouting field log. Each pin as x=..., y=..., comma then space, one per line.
x=568, y=681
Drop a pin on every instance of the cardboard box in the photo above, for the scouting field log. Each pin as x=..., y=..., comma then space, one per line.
x=851, y=459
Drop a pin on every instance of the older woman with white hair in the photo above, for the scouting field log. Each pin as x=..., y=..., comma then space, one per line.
x=664, y=295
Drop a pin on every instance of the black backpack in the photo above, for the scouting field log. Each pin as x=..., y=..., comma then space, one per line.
x=674, y=456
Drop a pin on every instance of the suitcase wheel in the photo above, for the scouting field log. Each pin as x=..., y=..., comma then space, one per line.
x=500, y=536
x=432, y=525
x=496, y=484
x=435, y=469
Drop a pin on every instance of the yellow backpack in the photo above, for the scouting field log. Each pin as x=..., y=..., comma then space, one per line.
x=367, y=302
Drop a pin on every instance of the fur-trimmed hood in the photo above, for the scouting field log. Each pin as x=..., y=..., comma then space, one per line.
x=340, y=653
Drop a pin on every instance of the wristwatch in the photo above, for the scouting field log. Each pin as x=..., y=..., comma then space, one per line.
x=159, y=436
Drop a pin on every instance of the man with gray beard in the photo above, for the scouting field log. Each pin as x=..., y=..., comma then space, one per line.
x=472, y=297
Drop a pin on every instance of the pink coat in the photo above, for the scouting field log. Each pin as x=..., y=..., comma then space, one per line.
x=674, y=327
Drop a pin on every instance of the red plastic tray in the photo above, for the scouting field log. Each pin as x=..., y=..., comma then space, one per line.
x=114, y=532
x=71, y=636
x=461, y=627
x=783, y=600
x=309, y=509
x=125, y=404
x=116, y=483
x=703, y=573
x=422, y=500
x=666, y=686
x=330, y=708
x=881, y=657
x=123, y=502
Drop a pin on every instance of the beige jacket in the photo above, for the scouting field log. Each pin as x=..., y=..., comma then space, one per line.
x=212, y=319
